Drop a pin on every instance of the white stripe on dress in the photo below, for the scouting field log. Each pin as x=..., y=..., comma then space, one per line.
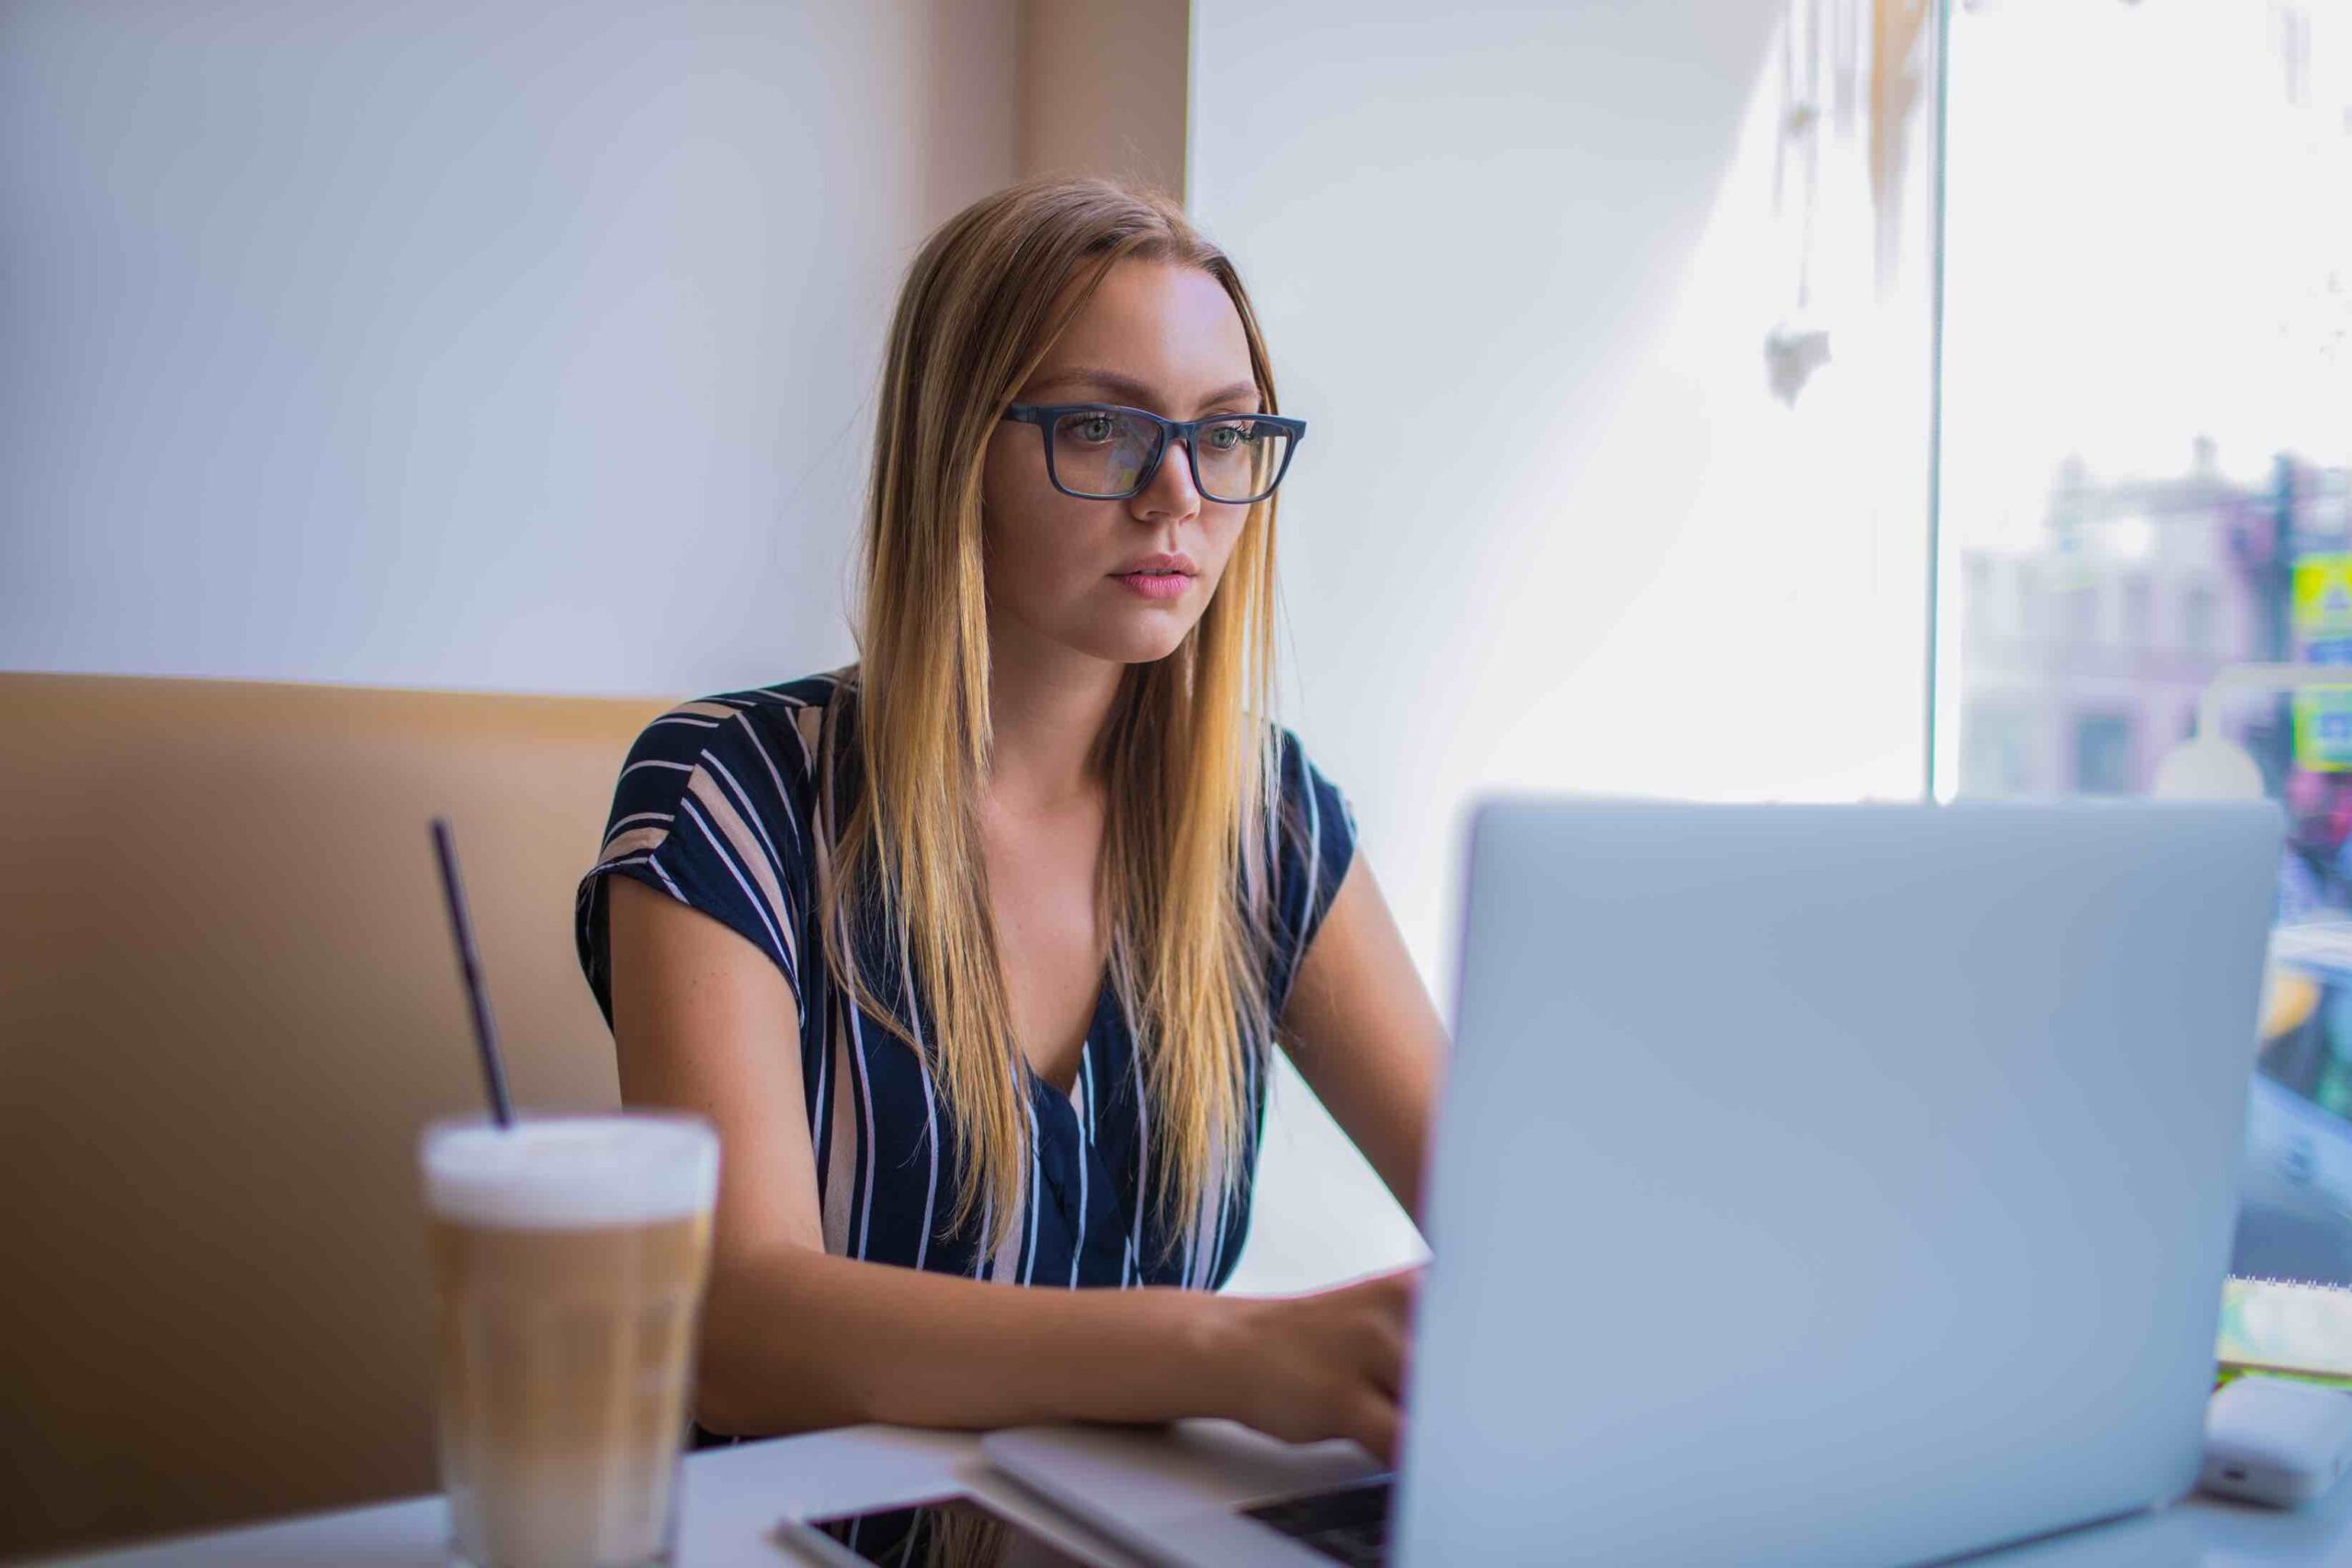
x=631, y=841
x=866, y=1101
x=930, y=1109
x=1005, y=1261
x=1212, y=1217
x=718, y=849
x=808, y=724
x=861, y=1068
x=838, y=1154
x=825, y=916
x=791, y=818
x=1191, y=1253
x=820, y=1017
x=1314, y=864
x=666, y=880
x=1036, y=1193
x=1143, y=1167
x=751, y=812
x=1081, y=1101
x=749, y=842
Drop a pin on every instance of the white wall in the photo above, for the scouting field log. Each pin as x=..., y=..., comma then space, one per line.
x=515, y=345
x=1516, y=266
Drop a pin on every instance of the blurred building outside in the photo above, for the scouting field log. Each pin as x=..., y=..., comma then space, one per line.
x=2085, y=658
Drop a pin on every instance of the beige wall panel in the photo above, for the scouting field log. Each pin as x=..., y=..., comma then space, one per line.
x=1103, y=89
x=228, y=1004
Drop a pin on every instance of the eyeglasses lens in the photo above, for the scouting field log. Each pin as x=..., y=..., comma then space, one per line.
x=1239, y=459
x=1101, y=453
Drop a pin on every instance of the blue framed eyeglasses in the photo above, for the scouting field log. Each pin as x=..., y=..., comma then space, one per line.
x=1107, y=452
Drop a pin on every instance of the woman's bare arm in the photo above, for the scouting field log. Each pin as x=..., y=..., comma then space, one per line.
x=794, y=1339
x=1365, y=1034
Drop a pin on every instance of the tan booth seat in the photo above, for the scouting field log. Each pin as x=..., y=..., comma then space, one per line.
x=228, y=1003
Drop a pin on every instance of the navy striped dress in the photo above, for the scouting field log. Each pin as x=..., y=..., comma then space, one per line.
x=727, y=804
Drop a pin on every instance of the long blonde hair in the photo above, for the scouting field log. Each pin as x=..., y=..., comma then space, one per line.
x=1186, y=752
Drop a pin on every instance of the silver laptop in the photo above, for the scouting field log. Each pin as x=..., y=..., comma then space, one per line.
x=1813, y=1185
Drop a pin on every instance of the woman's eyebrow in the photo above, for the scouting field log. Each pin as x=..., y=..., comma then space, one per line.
x=1135, y=391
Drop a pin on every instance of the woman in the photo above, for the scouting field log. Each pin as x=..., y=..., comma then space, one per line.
x=973, y=951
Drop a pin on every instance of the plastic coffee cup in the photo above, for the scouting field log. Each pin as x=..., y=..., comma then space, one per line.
x=569, y=1259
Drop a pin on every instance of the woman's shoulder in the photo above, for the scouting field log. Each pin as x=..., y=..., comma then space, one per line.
x=1315, y=826
x=1303, y=792
x=1313, y=845
x=785, y=720
x=714, y=805
x=754, y=750
x=785, y=701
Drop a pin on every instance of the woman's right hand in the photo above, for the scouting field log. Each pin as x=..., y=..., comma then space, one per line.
x=1327, y=1364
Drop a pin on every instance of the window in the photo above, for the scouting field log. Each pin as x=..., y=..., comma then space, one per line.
x=2149, y=481
x=2082, y=611
x=2137, y=598
x=1997, y=755
x=2103, y=754
x=2197, y=620
x=2169, y=487
x=2032, y=618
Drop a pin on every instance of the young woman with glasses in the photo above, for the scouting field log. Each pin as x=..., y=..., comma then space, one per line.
x=975, y=951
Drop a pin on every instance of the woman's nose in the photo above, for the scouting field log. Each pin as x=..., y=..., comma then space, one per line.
x=1170, y=490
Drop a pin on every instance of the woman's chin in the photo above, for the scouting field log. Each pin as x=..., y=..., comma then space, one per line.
x=1144, y=644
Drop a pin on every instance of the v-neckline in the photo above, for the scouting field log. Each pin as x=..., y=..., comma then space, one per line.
x=1103, y=1000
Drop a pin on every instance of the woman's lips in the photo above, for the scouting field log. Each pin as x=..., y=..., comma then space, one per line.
x=1155, y=584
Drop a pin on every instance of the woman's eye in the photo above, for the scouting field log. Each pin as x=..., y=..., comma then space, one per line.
x=1092, y=427
x=1225, y=437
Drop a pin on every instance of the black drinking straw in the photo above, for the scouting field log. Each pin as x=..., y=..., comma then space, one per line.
x=493, y=1076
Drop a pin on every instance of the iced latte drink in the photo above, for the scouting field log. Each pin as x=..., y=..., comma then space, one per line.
x=569, y=1256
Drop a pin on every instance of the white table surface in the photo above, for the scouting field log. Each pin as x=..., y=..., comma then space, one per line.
x=734, y=1497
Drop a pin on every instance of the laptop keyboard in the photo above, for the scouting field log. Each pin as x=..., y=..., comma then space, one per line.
x=1348, y=1524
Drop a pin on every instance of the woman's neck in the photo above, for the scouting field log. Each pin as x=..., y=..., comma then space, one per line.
x=1047, y=705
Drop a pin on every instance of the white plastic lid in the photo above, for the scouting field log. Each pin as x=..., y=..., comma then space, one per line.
x=570, y=1172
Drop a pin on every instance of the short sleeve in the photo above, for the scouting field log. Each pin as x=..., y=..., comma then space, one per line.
x=712, y=809
x=1313, y=844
